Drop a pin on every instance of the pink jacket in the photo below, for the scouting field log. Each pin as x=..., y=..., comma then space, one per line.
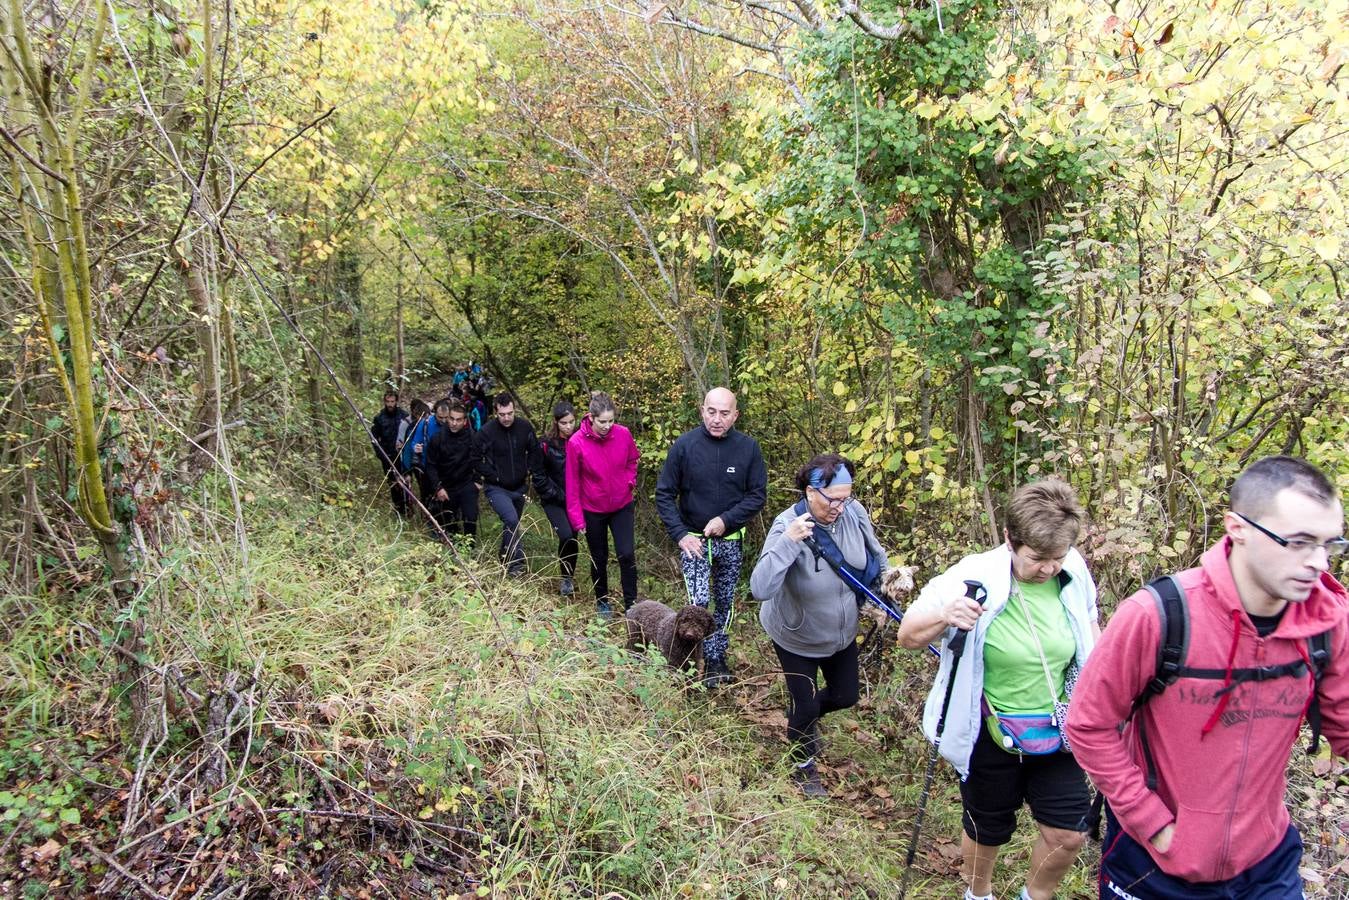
x=1223, y=790
x=601, y=471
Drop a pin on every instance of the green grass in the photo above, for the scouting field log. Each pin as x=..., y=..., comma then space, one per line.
x=442, y=730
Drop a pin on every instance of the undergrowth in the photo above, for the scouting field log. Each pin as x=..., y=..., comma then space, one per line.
x=351, y=710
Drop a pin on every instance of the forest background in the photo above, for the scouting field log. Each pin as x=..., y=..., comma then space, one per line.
x=964, y=243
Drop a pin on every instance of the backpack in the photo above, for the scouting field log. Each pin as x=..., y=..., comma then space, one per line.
x=1174, y=648
x=1173, y=614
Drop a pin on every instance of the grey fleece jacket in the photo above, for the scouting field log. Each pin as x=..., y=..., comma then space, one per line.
x=807, y=609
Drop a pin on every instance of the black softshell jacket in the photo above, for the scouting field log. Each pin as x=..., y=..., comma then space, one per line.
x=508, y=457
x=705, y=477
x=450, y=459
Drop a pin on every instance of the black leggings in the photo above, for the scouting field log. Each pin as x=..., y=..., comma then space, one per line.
x=620, y=523
x=810, y=702
x=566, y=538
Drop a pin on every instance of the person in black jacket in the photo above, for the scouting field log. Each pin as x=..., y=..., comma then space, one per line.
x=451, y=460
x=713, y=482
x=384, y=430
x=508, y=458
x=554, y=448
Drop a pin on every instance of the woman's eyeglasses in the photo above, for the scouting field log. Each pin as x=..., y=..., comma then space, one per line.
x=833, y=502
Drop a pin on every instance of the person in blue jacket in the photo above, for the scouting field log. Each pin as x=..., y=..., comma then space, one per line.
x=413, y=457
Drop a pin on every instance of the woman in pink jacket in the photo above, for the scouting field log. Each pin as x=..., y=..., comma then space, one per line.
x=601, y=479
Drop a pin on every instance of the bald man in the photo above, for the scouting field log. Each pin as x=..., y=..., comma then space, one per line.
x=713, y=482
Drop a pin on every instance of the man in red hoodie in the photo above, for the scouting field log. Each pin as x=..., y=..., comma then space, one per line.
x=1205, y=817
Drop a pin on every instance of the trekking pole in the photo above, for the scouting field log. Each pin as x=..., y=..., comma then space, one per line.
x=856, y=584
x=976, y=592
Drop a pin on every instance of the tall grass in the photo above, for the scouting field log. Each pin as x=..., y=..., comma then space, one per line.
x=495, y=737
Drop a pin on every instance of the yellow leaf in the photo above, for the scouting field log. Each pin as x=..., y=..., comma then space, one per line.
x=1261, y=296
x=840, y=389
x=1328, y=248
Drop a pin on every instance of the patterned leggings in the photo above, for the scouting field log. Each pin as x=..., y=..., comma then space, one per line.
x=712, y=585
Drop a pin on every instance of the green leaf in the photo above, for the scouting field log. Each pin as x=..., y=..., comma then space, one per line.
x=70, y=816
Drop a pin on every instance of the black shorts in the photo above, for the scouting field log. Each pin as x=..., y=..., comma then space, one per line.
x=999, y=782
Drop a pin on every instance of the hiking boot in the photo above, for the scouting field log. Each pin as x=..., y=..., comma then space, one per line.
x=605, y=610
x=807, y=781
x=715, y=673
x=568, y=587
x=517, y=572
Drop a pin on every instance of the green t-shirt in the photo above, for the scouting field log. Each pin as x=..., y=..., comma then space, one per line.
x=1014, y=679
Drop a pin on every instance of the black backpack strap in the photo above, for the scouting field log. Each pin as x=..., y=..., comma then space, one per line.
x=1318, y=651
x=1172, y=648
x=1174, y=644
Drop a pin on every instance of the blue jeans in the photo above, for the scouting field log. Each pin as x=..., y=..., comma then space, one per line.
x=1128, y=872
x=508, y=505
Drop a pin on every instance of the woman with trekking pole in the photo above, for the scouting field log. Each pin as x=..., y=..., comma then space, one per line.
x=809, y=610
x=999, y=720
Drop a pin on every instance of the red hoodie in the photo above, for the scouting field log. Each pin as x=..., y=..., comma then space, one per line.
x=601, y=471
x=1223, y=790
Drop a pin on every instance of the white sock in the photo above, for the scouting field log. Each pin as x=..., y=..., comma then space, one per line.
x=970, y=895
x=1025, y=893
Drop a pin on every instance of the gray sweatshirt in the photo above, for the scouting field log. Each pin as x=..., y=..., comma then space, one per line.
x=807, y=609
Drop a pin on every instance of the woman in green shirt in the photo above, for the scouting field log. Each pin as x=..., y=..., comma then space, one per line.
x=1001, y=729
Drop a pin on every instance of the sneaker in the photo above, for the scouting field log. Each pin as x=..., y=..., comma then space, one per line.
x=568, y=587
x=807, y=781
x=605, y=609
x=715, y=673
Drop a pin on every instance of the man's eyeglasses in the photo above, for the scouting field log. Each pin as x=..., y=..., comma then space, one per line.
x=1333, y=547
x=833, y=502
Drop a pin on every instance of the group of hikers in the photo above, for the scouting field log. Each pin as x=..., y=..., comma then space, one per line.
x=1183, y=712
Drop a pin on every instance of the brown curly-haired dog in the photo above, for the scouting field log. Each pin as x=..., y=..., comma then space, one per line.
x=677, y=635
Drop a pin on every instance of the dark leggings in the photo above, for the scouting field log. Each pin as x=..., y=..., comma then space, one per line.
x=810, y=702
x=567, y=547
x=620, y=524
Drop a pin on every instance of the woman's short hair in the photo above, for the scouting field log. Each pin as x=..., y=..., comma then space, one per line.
x=419, y=408
x=1045, y=516
x=600, y=402
x=828, y=464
